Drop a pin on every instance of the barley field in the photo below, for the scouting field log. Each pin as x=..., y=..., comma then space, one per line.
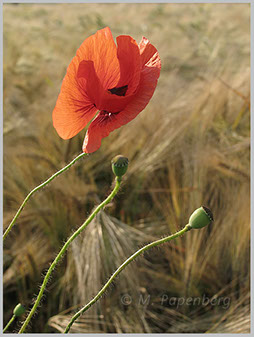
x=189, y=147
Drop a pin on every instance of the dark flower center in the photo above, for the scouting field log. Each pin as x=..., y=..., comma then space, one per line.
x=121, y=91
x=106, y=113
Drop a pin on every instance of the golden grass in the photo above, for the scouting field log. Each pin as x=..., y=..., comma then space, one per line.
x=189, y=147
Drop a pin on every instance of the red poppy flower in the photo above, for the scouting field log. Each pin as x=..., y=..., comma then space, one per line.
x=115, y=81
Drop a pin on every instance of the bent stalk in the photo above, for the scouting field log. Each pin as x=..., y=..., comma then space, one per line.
x=9, y=323
x=63, y=250
x=36, y=189
x=118, y=271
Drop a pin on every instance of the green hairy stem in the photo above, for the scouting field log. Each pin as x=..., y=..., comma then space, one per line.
x=36, y=189
x=118, y=271
x=63, y=250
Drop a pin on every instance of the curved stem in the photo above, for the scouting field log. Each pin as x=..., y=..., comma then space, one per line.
x=9, y=323
x=63, y=250
x=36, y=189
x=126, y=262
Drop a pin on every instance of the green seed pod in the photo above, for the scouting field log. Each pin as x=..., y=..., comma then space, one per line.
x=201, y=217
x=19, y=310
x=119, y=165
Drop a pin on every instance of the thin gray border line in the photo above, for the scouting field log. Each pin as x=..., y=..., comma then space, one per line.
x=1, y=142
x=251, y=162
x=1, y=163
x=133, y=334
x=130, y=1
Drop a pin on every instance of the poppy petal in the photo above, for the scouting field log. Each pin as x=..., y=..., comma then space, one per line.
x=101, y=49
x=103, y=124
x=147, y=85
x=130, y=63
x=100, y=128
x=73, y=109
x=130, y=67
x=89, y=82
x=148, y=52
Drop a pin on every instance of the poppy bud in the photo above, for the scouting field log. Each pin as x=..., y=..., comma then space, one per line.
x=19, y=310
x=119, y=165
x=201, y=217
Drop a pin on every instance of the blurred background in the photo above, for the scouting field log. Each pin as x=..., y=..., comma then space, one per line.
x=189, y=147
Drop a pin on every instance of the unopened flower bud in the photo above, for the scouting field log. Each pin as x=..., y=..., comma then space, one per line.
x=19, y=310
x=201, y=217
x=119, y=165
